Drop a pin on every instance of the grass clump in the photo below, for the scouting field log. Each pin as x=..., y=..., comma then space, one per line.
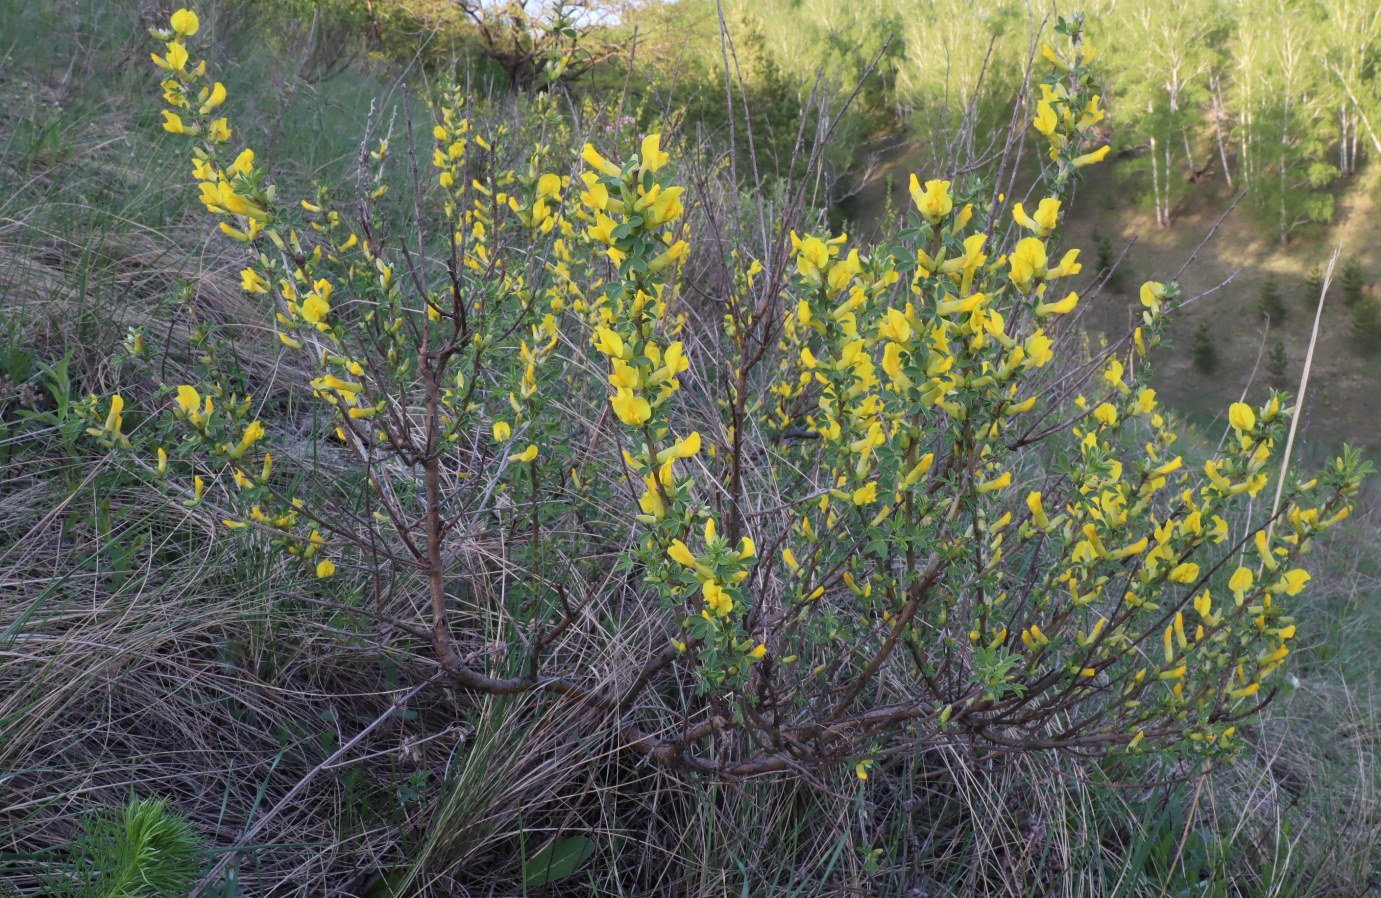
x=143, y=851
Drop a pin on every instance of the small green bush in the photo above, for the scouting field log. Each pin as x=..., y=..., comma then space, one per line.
x=1366, y=325
x=1106, y=264
x=1271, y=303
x=1351, y=282
x=1277, y=364
x=1313, y=286
x=1203, y=350
x=144, y=851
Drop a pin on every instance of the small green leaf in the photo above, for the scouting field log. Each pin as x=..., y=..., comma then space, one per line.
x=557, y=861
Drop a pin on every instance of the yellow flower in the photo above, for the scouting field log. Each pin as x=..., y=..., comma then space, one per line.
x=114, y=418
x=1028, y=262
x=746, y=548
x=717, y=598
x=1093, y=158
x=895, y=327
x=933, y=202
x=253, y=434
x=253, y=282
x=189, y=402
x=677, y=251
x=548, y=185
x=219, y=131
x=1063, y=307
x=625, y=376
x=608, y=342
x=1186, y=572
x=1046, y=217
x=173, y=124
x=1245, y=691
x=1113, y=375
x=652, y=156
x=1203, y=604
x=602, y=228
x=1045, y=120
x=243, y=164
x=997, y=483
x=651, y=501
x=213, y=99
x=502, y=431
x=631, y=408
x=685, y=448
x=758, y=651
x=527, y=455
x=1038, y=350
x=961, y=220
x=1292, y=582
x=892, y=366
x=198, y=492
x=961, y=306
x=317, y=304
x=1241, y=582
x=812, y=256
x=596, y=195
x=185, y=23
x=596, y=161
x=1033, y=502
x=175, y=61
x=1069, y=265
x=679, y=553
x=222, y=198
x=1241, y=416
x=1054, y=58
x=667, y=207
x=674, y=362
x=1152, y=295
x=325, y=568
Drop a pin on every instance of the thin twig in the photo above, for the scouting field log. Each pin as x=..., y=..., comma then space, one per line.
x=1303, y=386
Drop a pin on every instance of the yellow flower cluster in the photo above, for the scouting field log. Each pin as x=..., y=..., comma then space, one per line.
x=1068, y=113
x=718, y=582
x=233, y=189
x=643, y=373
x=111, y=431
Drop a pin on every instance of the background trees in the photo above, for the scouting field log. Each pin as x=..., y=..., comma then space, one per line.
x=1276, y=97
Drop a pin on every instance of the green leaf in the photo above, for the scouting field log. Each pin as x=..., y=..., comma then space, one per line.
x=557, y=861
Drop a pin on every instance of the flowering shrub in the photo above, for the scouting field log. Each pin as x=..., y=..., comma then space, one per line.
x=867, y=510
